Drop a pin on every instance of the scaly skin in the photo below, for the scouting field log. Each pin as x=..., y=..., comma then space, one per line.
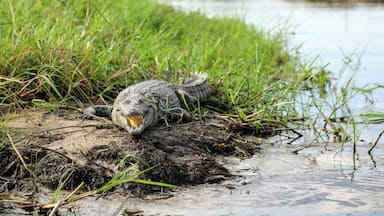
x=142, y=105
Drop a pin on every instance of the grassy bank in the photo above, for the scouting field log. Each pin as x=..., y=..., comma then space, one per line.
x=71, y=53
x=66, y=52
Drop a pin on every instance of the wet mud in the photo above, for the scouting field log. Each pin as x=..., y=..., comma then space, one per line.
x=62, y=148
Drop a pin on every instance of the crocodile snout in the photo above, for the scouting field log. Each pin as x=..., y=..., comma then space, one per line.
x=135, y=121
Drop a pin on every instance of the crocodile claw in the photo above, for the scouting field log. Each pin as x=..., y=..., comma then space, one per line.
x=85, y=116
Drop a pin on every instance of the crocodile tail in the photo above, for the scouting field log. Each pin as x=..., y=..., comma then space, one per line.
x=197, y=86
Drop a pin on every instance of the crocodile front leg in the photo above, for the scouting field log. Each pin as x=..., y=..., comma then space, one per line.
x=98, y=110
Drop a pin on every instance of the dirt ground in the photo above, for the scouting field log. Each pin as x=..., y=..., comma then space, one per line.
x=61, y=146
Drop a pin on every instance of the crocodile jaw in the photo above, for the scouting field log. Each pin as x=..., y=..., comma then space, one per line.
x=135, y=121
x=134, y=124
x=134, y=115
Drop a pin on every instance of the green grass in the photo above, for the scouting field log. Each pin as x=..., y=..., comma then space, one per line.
x=66, y=52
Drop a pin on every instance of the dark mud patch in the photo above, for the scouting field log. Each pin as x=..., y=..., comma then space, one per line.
x=62, y=147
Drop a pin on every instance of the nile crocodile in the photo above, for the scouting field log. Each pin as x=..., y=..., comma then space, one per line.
x=143, y=104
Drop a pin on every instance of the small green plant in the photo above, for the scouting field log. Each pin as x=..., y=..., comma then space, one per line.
x=63, y=180
x=373, y=117
x=122, y=177
x=330, y=118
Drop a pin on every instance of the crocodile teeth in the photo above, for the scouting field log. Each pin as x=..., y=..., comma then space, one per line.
x=135, y=121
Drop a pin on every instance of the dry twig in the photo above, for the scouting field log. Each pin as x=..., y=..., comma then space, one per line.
x=21, y=157
x=375, y=143
x=54, y=206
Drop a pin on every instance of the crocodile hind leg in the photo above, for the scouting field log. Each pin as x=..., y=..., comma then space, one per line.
x=179, y=115
x=187, y=101
x=175, y=115
x=98, y=110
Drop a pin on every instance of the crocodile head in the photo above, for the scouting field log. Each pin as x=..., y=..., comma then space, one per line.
x=134, y=115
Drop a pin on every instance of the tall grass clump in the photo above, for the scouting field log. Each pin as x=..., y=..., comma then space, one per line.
x=86, y=51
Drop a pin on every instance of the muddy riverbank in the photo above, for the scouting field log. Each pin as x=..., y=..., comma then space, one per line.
x=60, y=146
x=320, y=180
